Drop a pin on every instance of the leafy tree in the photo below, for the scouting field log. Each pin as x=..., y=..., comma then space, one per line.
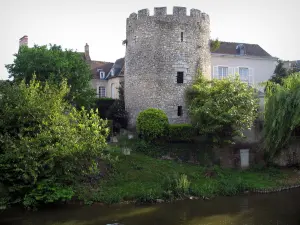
x=221, y=109
x=282, y=113
x=46, y=145
x=54, y=65
x=117, y=111
x=280, y=72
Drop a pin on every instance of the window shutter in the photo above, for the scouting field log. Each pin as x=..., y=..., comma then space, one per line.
x=231, y=71
x=215, y=72
x=251, y=76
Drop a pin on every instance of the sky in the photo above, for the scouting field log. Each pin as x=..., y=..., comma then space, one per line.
x=102, y=24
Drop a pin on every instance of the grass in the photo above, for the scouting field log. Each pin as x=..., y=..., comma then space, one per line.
x=138, y=177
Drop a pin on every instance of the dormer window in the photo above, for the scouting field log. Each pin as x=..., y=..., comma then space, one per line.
x=112, y=72
x=101, y=74
x=240, y=49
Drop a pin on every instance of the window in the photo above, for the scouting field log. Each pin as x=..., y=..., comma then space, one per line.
x=112, y=72
x=222, y=72
x=244, y=74
x=179, y=111
x=102, y=74
x=179, y=77
x=181, y=36
x=102, y=92
x=112, y=90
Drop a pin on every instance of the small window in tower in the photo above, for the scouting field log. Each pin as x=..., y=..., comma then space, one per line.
x=179, y=111
x=181, y=36
x=179, y=77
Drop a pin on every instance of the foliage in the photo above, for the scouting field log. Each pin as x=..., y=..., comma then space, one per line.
x=282, y=113
x=152, y=124
x=103, y=105
x=43, y=138
x=214, y=45
x=221, y=108
x=117, y=111
x=55, y=64
x=143, y=178
x=177, y=184
x=280, y=73
x=47, y=192
x=181, y=132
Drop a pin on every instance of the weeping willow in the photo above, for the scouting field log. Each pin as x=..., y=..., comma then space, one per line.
x=282, y=113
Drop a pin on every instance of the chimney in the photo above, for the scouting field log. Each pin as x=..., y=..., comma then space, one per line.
x=87, y=52
x=23, y=41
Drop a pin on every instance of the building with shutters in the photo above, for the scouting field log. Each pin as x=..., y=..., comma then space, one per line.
x=250, y=61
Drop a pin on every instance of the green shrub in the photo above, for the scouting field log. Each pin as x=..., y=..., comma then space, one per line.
x=46, y=139
x=181, y=132
x=177, y=184
x=110, y=125
x=152, y=124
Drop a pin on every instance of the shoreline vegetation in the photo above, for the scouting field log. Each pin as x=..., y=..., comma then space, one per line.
x=144, y=177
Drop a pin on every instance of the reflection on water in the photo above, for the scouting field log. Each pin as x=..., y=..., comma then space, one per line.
x=272, y=209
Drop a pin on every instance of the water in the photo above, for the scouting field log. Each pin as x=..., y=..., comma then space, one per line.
x=271, y=209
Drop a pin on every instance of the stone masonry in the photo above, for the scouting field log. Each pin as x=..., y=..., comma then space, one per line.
x=158, y=47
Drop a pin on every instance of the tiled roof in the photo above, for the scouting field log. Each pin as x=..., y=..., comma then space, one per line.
x=104, y=66
x=250, y=49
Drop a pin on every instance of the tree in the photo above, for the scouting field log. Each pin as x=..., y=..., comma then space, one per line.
x=46, y=145
x=282, y=113
x=280, y=72
x=117, y=111
x=221, y=109
x=54, y=65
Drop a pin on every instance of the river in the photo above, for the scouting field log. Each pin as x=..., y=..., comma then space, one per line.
x=262, y=209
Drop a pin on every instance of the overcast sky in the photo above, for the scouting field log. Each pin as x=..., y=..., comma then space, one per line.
x=102, y=24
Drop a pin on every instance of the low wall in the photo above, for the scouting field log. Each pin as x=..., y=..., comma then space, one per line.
x=229, y=156
x=289, y=156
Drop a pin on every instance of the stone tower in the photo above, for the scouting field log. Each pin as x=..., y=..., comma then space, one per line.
x=163, y=54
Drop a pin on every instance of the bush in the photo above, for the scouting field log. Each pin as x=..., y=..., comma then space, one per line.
x=43, y=139
x=221, y=109
x=181, y=132
x=152, y=124
x=117, y=113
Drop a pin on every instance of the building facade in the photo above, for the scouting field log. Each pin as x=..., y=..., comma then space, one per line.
x=251, y=62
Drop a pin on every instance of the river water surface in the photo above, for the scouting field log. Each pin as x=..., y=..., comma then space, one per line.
x=269, y=209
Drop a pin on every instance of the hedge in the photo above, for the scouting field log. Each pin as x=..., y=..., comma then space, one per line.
x=181, y=132
x=152, y=124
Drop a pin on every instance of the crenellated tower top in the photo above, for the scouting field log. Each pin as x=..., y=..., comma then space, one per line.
x=161, y=13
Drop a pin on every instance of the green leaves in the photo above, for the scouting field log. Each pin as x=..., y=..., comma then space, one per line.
x=282, y=113
x=43, y=137
x=221, y=108
x=55, y=65
x=152, y=123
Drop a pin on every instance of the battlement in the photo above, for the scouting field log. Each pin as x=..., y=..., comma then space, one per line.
x=161, y=12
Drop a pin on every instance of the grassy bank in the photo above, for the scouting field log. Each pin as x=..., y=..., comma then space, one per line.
x=141, y=178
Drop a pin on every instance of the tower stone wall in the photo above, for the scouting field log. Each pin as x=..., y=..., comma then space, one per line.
x=158, y=47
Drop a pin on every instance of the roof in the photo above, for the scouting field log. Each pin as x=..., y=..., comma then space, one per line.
x=117, y=69
x=250, y=49
x=100, y=65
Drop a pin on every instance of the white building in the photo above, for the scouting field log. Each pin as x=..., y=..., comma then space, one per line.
x=250, y=61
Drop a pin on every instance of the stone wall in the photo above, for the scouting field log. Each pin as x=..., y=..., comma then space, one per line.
x=156, y=51
x=291, y=155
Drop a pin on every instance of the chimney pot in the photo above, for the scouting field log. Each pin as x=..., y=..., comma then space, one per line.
x=23, y=41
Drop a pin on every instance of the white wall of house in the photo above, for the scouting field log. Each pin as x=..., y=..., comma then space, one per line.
x=108, y=87
x=261, y=69
x=113, y=85
x=96, y=84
